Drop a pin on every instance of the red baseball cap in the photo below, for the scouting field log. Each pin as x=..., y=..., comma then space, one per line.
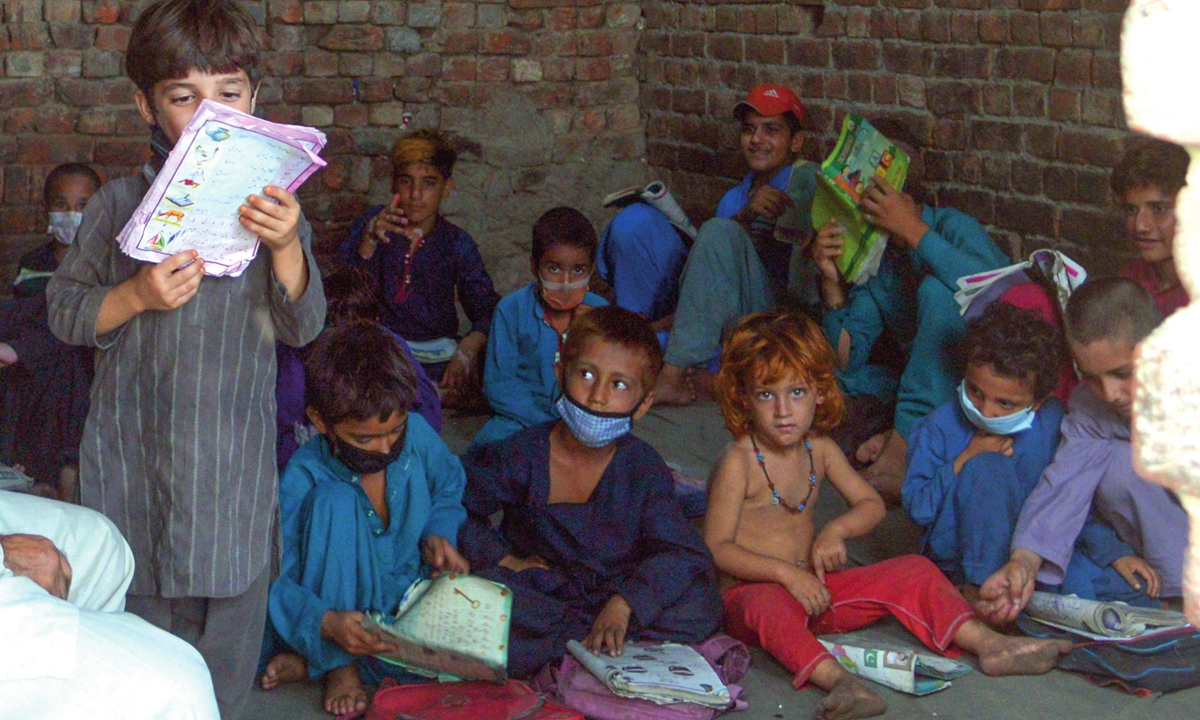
x=770, y=101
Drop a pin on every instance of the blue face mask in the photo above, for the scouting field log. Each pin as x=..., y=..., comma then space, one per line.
x=591, y=428
x=1017, y=422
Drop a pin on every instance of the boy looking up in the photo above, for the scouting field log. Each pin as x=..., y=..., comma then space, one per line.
x=593, y=543
x=1145, y=185
x=179, y=444
x=421, y=262
x=737, y=251
x=367, y=507
x=783, y=582
x=1093, y=469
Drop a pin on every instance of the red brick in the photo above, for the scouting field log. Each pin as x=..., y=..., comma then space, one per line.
x=458, y=16
x=27, y=36
x=1049, y=4
x=595, y=44
x=1104, y=109
x=1060, y=182
x=1095, y=30
x=734, y=19
x=104, y=12
x=60, y=11
x=458, y=69
x=355, y=64
x=492, y=70
x=94, y=93
x=591, y=18
x=834, y=24
x=112, y=37
x=856, y=55
x=935, y=26
x=1088, y=147
x=96, y=123
x=1026, y=176
x=319, y=91
x=560, y=19
x=691, y=102
x=883, y=25
x=885, y=91
x=64, y=63
x=504, y=42
x=836, y=85
x=1035, y=64
x=73, y=37
x=526, y=20
x=130, y=152
x=1041, y=141
x=808, y=52
x=1073, y=67
x=997, y=99
x=424, y=65
x=964, y=27
x=858, y=23
x=351, y=114
x=907, y=58
x=967, y=169
x=993, y=135
x=1026, y=215
x=593, y=69
x=1056, y=29
x=460, y=43
x=993, y=27
x=765, y=20
x=1089, y=225
x=53, y=149
x=963, y=62
x=547, y=44
x=320, y=64
x=769, y=51
x=1025, y=28
x=359, y=38
x=951, y=97
x=1106, y=70
x=908, y=25
x=726, y=47
x=976, y=203
x=909, y=4
x=1029, y=101
x=1064, y=105
x=17, y=221
x=556, y=69
x=286, y=11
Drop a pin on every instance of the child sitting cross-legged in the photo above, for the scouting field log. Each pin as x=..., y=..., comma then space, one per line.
x=782, y=580
x=529, y=324
x=593, y=543
x=973, y=461
x=367, y=507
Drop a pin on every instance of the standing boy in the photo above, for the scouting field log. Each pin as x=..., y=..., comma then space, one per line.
x=1093, y=470
x=179, y=445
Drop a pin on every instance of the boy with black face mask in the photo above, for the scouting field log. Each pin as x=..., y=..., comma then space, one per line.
x=593, y=543
x=377, y=489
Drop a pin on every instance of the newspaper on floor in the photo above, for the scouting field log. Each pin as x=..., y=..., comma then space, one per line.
x=657, y=196
x=222, y=157
x=1100, y=620
x=908, y=671
x=663, y=673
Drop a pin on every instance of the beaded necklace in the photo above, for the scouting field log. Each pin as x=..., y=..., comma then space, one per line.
x=402, y=293
x=812, y=477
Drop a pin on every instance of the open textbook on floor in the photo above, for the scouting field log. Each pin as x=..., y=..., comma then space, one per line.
x=862, y=153
x=223, y=157
x=452, y=626
x=1100, y=620
x=663, y=673
x=909, y=671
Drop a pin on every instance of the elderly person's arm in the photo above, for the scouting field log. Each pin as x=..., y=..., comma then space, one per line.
x=38, y=559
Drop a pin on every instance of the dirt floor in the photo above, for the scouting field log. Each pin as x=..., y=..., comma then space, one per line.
x=691, y=439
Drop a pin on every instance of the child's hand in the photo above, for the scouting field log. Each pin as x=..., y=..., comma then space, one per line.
x=345, y=628
x=827, y=248
x=765, y=201
x=168, y=284
x=462, y=370
x=443, y=556
x=894, y=211
x=1006, y=592
x=610, y=627
x=516, y=564
x=982, y=442
x=1131, y=566
x=828, y=551
x=391, y=219
x=808, y=591
x=8, y=356
x=274, y=223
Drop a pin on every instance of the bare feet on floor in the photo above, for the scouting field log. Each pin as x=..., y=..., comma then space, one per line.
x=869, y=451
x=850, y=698
x=344, y=692
x=284, y=668
x=673, y=387
x=1005, y=655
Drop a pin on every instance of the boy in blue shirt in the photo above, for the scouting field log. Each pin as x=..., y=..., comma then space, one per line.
x=529, y=324
x=366, y=508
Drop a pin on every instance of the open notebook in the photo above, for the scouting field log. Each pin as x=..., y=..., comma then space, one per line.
x=454, y=626
x=662, y=673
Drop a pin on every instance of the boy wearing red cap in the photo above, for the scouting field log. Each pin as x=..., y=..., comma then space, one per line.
x=737, y=251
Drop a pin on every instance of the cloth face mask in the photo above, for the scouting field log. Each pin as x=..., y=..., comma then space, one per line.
x=366, y=462
x=64, y=225
x=591, y=428
x=1017, y=422
x=564, y=297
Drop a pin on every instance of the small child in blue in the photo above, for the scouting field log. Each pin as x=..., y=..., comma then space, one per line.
x=973, y=461
x=367, y=507
x=529, y=324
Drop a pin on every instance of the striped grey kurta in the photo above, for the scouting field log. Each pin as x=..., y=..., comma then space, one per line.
x=179, y=445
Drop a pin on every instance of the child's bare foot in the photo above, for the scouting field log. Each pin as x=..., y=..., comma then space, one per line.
x=672, y=387
x=1005, y=655
x=344, y=692
x=869, y=451
x=886, y=473
x=850, y=698
x=284, y=668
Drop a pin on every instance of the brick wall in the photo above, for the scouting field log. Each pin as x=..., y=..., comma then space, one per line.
x=540, y=95
x=1020, y=100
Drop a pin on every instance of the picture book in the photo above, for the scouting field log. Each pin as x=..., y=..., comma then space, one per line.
x=657, y=196
x=911, y=672
x=454, y=626
x=1100, y=620
x=663, y=673
x=862, y=154
x=222, y=157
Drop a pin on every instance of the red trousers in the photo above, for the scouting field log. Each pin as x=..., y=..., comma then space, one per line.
x=909, y=587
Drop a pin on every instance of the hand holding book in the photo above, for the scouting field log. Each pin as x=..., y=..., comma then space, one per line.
x=886, y=207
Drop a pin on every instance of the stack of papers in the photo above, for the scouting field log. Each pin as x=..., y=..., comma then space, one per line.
x=223, y=157
x=909, y=672
x=1100, y=620
x=663, y=673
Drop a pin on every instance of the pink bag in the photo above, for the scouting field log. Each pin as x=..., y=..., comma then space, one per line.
x=572, y=685
x=474, y=700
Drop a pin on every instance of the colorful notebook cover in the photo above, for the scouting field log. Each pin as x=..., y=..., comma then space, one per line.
x=222, y=157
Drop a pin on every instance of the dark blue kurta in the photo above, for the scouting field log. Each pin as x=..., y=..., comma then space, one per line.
x=629, y=538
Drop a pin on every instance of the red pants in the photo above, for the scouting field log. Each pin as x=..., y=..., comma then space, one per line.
x=909, y=587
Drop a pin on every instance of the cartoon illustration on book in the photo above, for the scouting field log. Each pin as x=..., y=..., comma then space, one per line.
x=170, y=217
x=181, y=199
x=217, y=134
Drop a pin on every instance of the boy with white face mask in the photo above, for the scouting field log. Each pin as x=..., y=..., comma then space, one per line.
x=529, y=324
x=593, y=543
x=974, y=461
x=44, y=376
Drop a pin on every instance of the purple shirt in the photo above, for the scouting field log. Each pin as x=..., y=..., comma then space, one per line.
x=447, y=263
x=1094, y=467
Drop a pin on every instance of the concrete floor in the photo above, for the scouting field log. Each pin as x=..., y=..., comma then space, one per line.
x=692, y=438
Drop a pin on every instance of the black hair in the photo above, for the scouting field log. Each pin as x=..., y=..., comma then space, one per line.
x=1018, y=344
x=1112, y=309
x=172, y=38
x=563, y=226
x=350, y=294
x=1150, y=162
x=358, y=371
x=617, y=325
x=68, y=170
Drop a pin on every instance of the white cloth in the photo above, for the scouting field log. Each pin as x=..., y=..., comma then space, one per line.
x=85, y=658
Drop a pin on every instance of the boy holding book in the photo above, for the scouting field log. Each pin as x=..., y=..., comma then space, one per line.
x=593, y=543
x=365, y=509
x=179, y=445
x=782, y=580
x=1093, y=473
